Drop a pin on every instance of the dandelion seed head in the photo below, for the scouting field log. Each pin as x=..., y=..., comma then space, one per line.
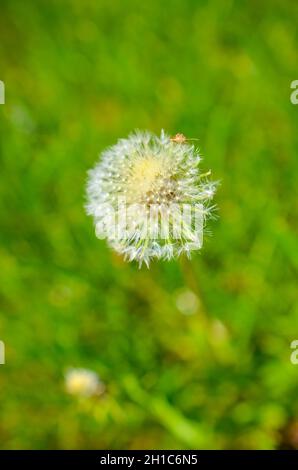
x=156, y=176
x=83, y=382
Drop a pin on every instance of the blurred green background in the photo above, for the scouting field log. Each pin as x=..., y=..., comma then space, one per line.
x=193, y=355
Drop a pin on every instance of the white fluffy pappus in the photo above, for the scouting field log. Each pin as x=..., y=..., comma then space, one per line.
x=149, y=198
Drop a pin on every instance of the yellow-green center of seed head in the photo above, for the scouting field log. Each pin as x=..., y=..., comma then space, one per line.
x=145, y=172
x=149, y=182
x=145, y=175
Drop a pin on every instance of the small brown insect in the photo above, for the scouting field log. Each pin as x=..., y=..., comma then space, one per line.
x=180, y=139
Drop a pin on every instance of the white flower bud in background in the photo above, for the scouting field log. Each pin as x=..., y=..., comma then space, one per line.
x=148, y=197
x=187, y=302
x=83, y=383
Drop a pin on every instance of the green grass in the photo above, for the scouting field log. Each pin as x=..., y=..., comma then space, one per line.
x=78, y=76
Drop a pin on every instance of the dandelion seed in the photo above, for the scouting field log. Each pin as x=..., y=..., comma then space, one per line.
x=83, y=382
x=159, y=183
